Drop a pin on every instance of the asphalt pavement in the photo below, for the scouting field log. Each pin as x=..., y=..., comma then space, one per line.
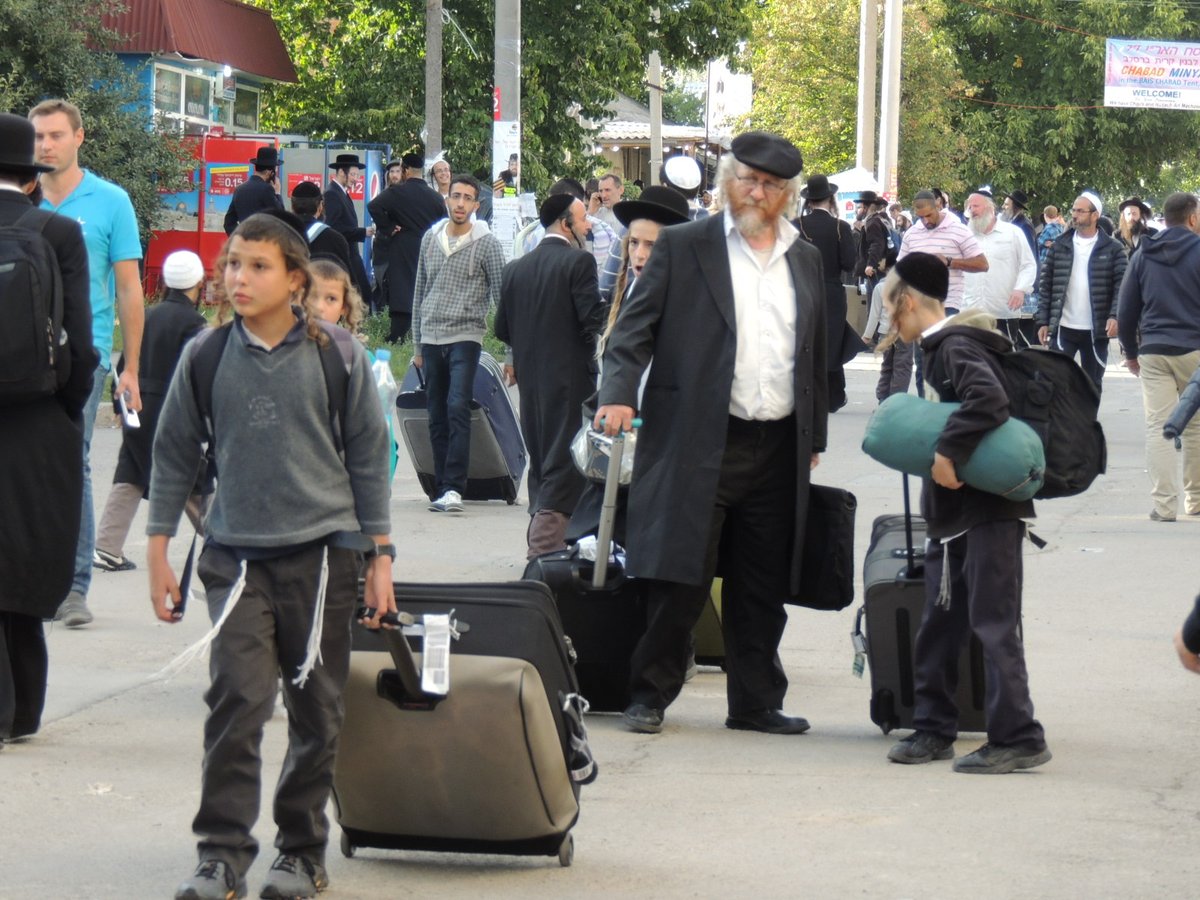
x=99, y=804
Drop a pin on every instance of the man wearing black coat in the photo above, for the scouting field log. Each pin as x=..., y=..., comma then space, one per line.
x=405, y=212
x=41, y=449
x=257, y=193
x=731, y=310
x=873, y=252
x=341, y=216
x=322, y=240
x=822, y=228
x=550, y=314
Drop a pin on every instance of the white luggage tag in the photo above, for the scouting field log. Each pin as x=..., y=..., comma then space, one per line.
x=435, y=656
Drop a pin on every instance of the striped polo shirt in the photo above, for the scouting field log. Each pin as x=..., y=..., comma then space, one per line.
x=951, y=238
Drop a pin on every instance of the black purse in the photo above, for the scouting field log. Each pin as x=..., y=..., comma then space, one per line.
x=827, y=564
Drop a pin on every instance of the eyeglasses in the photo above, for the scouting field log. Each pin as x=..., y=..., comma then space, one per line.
x=1082, y=212
x=749, y=182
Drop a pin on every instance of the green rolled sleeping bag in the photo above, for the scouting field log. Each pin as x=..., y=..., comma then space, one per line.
x=903, y=434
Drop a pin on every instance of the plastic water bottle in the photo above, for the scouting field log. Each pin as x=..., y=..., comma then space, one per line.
x=385, y=382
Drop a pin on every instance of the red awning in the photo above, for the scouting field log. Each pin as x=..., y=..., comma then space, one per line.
x=221, y=31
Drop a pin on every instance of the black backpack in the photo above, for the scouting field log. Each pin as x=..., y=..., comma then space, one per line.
x=336, y=359
x=1053, y=395
x=34, y=362
x=892, y=247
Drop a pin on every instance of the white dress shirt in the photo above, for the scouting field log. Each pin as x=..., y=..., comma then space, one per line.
x=1011, y=267
x=764, y=300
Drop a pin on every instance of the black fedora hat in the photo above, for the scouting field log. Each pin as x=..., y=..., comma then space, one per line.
x=1019, y=198
x=657, y=203
x=818, y=188
x=870, y=198
x=17, y=144
x=1139, y=203
x=266, y=158
x=346, y=159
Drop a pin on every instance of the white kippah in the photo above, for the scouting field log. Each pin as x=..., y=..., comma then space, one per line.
x=182, y=270
x=683, y=172
x=1095, y=201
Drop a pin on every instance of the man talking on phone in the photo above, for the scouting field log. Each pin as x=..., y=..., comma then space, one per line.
x=256, y=193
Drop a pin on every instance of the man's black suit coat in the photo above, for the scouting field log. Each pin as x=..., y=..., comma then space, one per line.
x=341, y=216
x=253, y=195
x=834, y=239
x=550, y=314
x=681, y=315
x=41, y=445
x=412, y=206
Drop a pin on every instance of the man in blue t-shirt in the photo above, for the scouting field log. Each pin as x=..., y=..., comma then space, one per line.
x=110, y=231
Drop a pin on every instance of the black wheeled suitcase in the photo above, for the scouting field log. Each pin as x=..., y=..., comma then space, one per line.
x=476, y=743
x=893, y=601
x=498, y=456
x=603, y=611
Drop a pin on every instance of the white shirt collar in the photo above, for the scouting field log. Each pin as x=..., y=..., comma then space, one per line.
x=935, y=327
x=4, y=186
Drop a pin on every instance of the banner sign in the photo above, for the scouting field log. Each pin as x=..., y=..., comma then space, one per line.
x=1152, y=74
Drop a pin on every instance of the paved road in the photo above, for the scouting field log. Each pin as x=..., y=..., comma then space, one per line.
x=100, y=804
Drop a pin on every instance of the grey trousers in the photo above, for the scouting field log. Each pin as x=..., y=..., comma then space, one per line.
x=121, y=507
x=263, y=639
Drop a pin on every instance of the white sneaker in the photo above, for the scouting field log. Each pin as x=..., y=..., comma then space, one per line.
x=450, y=501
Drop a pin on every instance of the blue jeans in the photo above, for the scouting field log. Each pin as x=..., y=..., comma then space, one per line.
x=86, y=545
x=449, y=385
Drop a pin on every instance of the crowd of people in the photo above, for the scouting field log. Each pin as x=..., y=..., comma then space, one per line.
x=723, y=327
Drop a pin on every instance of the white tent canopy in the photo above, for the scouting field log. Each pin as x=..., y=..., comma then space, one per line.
x=855, y=181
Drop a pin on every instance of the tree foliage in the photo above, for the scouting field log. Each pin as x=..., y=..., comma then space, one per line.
x=361, y=71
x=45, y=51
x=991, y=93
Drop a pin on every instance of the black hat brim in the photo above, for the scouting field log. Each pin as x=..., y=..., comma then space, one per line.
x=627, y=211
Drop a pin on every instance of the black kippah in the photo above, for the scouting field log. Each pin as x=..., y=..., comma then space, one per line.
x=307, y=190
x=925, y=272
x=553, y=207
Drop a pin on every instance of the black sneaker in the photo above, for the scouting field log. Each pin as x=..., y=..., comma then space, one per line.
x=643, y=719
x=212, y=880
x=921, y=747
x=110, y=562
x=1000, y=759
x=294, y=877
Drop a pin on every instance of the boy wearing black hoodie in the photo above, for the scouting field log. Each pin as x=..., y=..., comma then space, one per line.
x=973, y=555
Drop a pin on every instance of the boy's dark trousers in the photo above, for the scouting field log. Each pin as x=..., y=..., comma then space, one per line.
x=266, y=637
x=985, y=579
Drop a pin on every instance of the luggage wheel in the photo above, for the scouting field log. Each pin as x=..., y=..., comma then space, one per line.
x=566, y=851
x=347, y=847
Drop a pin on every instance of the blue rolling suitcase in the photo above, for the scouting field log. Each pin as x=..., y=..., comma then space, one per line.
x=497, y=448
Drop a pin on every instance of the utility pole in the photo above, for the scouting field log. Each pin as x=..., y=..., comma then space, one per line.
x=889, y=120
x=433, y=78
x=654, y=79
x=506, y=116
x=868, y=49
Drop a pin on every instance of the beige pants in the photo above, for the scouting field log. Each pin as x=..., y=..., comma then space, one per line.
x=547, y=530
x=1163, y=379
x=120, y=509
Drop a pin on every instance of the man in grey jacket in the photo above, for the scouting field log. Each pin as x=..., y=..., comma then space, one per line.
x=458, y=279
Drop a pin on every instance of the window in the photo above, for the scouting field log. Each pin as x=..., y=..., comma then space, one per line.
x=197, y=98
x=168, y=90
x=245, y=110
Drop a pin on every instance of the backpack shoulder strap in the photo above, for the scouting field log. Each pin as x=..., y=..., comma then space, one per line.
x=337, y=356
x=210, y=346
x=35, y=219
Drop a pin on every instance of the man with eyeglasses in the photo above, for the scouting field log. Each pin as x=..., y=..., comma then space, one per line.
x=731, y=310
x=1077, y=296
x=457, y=282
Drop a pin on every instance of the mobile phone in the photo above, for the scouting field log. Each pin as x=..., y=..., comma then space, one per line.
x=129, y=415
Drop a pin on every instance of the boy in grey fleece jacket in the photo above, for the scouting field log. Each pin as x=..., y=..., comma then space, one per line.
x=280, y=569
x=458, y=280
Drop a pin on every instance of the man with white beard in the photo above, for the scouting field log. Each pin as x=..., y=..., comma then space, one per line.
x=1000, y=291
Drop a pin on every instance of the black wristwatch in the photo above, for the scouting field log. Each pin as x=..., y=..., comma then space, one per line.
x=382, y=550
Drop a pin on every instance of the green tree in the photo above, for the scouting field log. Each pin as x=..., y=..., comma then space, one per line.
x=1032, y=111
x=680, y=105
x=803, y=55
x=55, y=48
x=361, y=71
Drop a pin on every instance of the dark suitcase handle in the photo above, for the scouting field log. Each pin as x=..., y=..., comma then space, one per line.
x=608, y=509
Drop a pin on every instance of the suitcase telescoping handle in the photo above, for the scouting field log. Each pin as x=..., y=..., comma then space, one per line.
x=608, y=509
x=911, y=554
